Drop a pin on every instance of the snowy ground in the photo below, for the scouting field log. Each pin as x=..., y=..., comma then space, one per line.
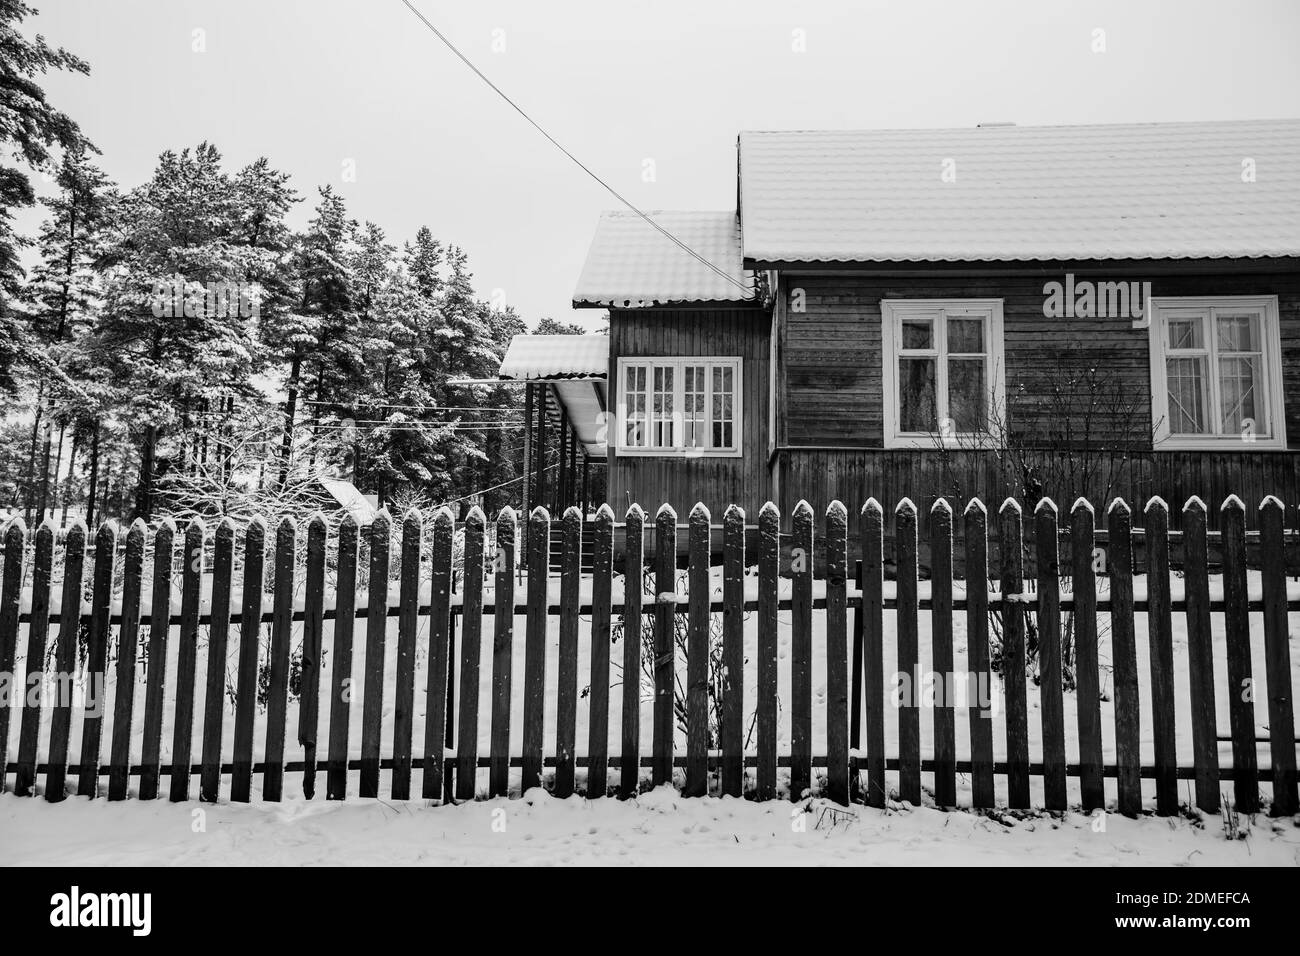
x=660, y=828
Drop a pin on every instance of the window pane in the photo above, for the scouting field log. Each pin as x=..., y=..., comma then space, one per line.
x=1239, y=389
x=967, y=401
x=1237, y=333
x=1186, y=384
x=1186, y=334
x=634, y=433
x=916, y=408
x=965, y=335
x=918, y=334
x=693, y=382
x=663, y=407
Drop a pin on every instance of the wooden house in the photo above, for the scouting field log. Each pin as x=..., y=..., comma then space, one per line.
x=998, y=311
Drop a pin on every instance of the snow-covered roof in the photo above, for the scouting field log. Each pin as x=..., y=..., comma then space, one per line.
x=1144, y=191
x=631, y=264
x=539, y=357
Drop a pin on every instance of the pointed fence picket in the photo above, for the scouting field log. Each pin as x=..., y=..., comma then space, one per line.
x=709, y=706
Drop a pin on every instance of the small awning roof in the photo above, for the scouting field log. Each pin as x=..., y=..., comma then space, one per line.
x=542, y=358
x=577, y=369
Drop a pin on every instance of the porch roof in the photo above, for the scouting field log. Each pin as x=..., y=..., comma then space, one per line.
x=549, y=358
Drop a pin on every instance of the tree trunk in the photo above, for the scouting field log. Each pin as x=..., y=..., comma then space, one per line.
x=43, y=495
x=144, y=488
x=29, y=480
x=58, y=466
x=67, y=485
x=94, y=475
x=290, y=410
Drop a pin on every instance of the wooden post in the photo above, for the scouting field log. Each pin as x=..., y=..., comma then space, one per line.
x=586, y=483
x=562, y=482
x=436, y=695
x=407, y=626
x=65, y=661
x=14, y=545
x=186, y=649
x=250, y=631
x=502, y=653
x=1241, y=681
x=539, y=453
x=1088, y=694
x=769, y=565
x=471, y=652
x=909, y=712
x=277, y=690
x=801, y=578
x=526, y=485
x=733, y=652
x=1277, y=657
x=372, y=701
x=665, y=650
x=633, y=565
x=566, y=699
x=602, y=572
x=1013, y=655
x=119, y=770
x=37, y=638
x=980, y=712
x=340, y=686
x=1200, y=652
x=92, y=727
x=697, y=656
x=872, y=524
x=837, y=664
x=941, y=654
x=156, y=661
x=1128, y=755
x=214, y=698
x=539, y=547
x=312, y=634
x=1049, y=654
x=1160, y=633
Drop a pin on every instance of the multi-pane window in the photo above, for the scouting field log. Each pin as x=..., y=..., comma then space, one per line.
x=1215, y=367
x=679, y=405
x=940, y=361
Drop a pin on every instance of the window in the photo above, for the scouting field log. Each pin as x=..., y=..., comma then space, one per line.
x=1216, y=373
x=679, y=406
x=941, y=364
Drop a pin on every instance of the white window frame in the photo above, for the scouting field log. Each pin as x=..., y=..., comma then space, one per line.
x=679, y=363
x=893, y=312
x=1271, y=368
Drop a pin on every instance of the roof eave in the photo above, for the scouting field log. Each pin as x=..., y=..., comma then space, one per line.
x=967, y=266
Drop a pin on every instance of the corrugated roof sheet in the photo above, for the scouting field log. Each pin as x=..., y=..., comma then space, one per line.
x=1160, y=190
x=534, y=357
x=631, y=264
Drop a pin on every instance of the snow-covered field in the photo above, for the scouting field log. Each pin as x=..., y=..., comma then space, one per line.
x=658, y=828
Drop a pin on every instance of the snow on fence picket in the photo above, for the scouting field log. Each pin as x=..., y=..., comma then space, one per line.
x=856, y=752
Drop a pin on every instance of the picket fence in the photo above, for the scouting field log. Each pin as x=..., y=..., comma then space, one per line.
x=856, y=756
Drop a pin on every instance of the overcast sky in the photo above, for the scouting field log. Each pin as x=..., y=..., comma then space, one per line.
x=316, y=84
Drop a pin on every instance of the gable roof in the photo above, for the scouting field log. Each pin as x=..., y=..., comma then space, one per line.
x=632, y=265
x=532, y=358
x=1144, y=191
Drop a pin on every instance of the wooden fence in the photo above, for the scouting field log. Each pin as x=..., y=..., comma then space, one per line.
x=856, y=755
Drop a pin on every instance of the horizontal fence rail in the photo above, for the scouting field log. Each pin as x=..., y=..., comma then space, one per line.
x=696, y=672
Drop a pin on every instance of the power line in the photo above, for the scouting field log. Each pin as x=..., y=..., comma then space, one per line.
x=610, y=189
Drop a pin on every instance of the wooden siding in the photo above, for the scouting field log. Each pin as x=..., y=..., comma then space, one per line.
x=681, y=482
x=831, y=350
x=851, y=475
